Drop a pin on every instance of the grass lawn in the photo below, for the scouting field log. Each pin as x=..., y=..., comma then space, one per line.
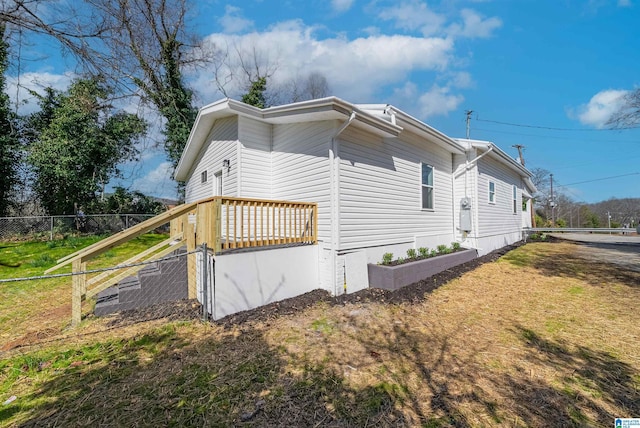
x=539, y=338
x=40, y=308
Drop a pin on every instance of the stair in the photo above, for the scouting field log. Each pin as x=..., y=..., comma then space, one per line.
x=159, y=282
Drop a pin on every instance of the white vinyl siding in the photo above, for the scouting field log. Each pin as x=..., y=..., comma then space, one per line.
x=300, y=165
x=255, y=138
x=380, y=190
x=497, y=219
x=222, y=143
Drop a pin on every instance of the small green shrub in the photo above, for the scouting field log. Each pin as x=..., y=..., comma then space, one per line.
x=387, y=258
x=424, y=252
x=411, y=253
x=455, y=246
x=400, y=260
x=443, y=249
x=433, y=253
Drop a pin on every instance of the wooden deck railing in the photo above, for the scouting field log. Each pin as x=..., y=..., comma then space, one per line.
x=223, y=223
x=248, y=223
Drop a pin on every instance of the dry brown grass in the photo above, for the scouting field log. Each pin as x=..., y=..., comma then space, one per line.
x=540, y=338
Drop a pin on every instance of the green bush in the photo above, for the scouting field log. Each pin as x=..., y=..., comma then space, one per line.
x=443, y=249
x=387, y=258
x=424, y=252
x=411, y=253
x=455, y=246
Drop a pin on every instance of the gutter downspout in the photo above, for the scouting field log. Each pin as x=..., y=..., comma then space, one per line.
x=334, y=159
x=468, y=164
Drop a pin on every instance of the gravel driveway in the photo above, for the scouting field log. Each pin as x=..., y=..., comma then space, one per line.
x=623, y=250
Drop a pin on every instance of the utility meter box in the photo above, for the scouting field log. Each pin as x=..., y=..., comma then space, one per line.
x=465, y=214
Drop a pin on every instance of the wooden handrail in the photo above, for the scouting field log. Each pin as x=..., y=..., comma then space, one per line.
x=125, y=235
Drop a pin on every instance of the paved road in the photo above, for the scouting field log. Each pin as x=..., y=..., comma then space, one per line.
x=623, y=250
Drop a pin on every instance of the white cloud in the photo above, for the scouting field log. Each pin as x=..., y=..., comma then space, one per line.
x=233, y=22
x=438, y=100
x=18, y=87
x=599, y=108
x=157, y=182
x=341, y=5
x=414, y=15
x=462, y=80
x=356, y=69
x=474, y=25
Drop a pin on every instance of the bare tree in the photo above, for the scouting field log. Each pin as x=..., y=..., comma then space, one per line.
x=141, y=46
x=628, y=115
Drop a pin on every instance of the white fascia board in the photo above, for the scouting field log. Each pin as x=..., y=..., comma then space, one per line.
x=498, y=154
x=313, y=110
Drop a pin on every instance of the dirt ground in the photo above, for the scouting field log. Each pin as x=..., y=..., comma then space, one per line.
x=411, y=293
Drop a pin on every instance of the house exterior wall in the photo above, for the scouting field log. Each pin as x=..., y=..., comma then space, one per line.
x=255, y=159
x=498, y=226
x=300, y=162
x=222, y=143
x=247, y=280
x=380, y=194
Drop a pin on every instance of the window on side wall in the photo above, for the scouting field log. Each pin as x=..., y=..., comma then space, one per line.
x=492, y=192
x=515, y=199
x=427, y=187
x=203, y=176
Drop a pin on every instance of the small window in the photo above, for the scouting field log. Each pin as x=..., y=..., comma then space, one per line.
x=492, y=192
x=515, y=200
x=218, y=183
x=524, y=205
x=427, y=187
x=203, y=176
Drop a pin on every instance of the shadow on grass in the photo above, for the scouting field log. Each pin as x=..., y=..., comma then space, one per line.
x=570, y=265
x=449, y=386
x=161, y=379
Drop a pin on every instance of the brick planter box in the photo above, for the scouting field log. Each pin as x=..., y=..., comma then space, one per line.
x=394, y=277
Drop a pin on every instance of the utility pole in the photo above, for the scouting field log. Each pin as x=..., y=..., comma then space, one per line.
x=468, y=113
x=553, y=204
x=520, y=147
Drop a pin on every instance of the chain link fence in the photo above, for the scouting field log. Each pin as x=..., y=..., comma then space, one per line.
x=52, y=226
x=37, y=310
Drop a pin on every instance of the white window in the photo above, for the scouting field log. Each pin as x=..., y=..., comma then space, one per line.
x=515, y=199
x=218, y=183
x=492, y=192
x=203, y=176
x=427, y=187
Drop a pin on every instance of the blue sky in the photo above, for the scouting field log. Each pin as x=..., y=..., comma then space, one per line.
x=532, y=64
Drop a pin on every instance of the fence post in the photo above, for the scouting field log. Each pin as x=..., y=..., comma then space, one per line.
x=51, y=229
x=78, y=285
x=203, y=268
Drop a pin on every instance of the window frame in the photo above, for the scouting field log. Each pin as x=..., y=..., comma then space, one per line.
x=514, y=197
x=491, y=200
x=427, y=186
x=204, y=177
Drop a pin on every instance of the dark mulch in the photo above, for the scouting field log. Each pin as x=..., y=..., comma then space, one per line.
x=412, y=293
x=191, y=309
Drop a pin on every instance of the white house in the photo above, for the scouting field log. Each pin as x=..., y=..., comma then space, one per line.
x=384, y=181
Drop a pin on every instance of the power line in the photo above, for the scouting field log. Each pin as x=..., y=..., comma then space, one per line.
x=522, y=125
x=553, y=137
x=600, y=179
